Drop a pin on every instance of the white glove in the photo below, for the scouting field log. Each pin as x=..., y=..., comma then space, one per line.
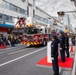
x=65, y=46
x=52, y=58
x=60, y=48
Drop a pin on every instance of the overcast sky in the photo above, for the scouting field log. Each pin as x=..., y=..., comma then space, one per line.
x=53, y=6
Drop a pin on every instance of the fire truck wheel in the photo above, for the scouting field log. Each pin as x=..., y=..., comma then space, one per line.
x=44, y=42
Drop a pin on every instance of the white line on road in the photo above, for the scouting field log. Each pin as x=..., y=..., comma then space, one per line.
x=8, y=50
x=22, y=57
x=18, y=51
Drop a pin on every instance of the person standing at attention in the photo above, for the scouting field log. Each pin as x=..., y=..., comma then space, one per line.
x=54, y=54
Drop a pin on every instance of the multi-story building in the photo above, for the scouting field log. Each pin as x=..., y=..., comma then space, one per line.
x=11, y=9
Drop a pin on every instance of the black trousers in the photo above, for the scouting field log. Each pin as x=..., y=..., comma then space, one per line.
x=62, y=53
x=67, y=51
x=55, y=66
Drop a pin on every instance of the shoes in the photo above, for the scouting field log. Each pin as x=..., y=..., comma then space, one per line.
x=56, y=74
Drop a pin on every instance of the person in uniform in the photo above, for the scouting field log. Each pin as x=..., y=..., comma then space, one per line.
x=67, y=44
x=62, y=46
x=54, y=54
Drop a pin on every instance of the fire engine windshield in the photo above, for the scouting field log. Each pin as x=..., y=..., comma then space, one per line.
x=31, y=31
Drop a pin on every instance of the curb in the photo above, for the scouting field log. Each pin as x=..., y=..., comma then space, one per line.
x=74, y=66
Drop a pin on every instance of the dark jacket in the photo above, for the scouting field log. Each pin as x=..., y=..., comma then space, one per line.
x=66, y=41
x=54, y=48
x=62, y=42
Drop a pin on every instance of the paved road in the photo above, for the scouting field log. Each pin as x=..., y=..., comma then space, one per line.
x=22, y=61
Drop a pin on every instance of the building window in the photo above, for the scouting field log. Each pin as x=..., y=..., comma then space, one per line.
x=33, y=2
x=33, y=13
x=6, y=18
x=18, y=9
x=41, y=18
x=27, y=10
x=22, y=11
x=1, y=3
x=12, y=7
x=1, y=17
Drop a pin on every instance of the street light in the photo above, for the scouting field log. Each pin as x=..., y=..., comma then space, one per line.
x=61, y=13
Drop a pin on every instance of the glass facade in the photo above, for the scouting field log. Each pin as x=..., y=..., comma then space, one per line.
x=41, y=18
x=33, y=13
x=12, y=7
x=33, y=2
x=27, y=10
x=5, y=18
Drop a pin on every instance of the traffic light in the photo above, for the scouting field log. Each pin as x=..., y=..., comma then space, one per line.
x=61, y=13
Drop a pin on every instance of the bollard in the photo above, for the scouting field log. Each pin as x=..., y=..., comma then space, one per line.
x=49, y=52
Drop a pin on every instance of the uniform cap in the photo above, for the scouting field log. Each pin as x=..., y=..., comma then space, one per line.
x=53, y=35
x=61, y=32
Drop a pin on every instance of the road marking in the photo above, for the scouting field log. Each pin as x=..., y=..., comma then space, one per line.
x=9, y=48
x=21, y=57
x=13, y=49
x=6, y=49
x=18, y=51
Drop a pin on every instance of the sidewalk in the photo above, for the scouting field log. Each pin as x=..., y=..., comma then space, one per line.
x=73, y=71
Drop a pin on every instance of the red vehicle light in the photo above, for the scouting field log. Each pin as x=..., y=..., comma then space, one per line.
x=36, y=36
x=24, y=37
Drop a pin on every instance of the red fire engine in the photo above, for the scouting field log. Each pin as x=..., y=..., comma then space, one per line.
x=35, y=35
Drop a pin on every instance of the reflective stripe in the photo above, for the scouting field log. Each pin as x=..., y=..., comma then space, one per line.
x=32, y=43
x=28, y=43
x=37, y=42
x=21, y=42
x=24, y=43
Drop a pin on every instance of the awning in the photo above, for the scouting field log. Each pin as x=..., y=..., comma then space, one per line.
x=7, y=25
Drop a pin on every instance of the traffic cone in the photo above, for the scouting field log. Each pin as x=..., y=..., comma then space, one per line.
x=71, y=48
x=5, y=46
x=0, y=46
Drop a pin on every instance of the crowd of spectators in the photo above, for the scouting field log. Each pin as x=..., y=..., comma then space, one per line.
x=10, y=40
